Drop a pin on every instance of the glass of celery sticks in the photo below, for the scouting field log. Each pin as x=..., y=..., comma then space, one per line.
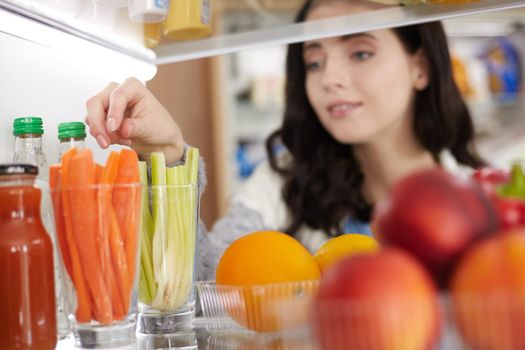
x=169, y=223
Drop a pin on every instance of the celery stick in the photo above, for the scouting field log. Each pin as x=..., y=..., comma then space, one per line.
x=170, y=242
x=144, y=291
x=192, y=161
x=160, y=223
x=187, y=256
x=177, y=176
x=188, y=210
x=174, y=178
x=147, y=287
x=193, y=170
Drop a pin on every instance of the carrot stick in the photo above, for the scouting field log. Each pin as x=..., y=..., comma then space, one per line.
x=126, y=201
x=118, y=256
x=55, y=179
x=84, y=218
x=106, y=180
x=110, y=170
x=98, y=172
x=83, y=312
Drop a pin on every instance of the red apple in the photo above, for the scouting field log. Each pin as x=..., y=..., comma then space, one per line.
x=435, y=216
x=376, y=301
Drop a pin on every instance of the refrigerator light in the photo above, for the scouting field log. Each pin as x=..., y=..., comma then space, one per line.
x=117, y=65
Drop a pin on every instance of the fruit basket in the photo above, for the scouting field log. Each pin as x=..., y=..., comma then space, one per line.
x=287, y=316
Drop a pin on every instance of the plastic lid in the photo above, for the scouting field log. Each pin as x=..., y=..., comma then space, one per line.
x=18, y=169
x=28, y=125
x=71, y=130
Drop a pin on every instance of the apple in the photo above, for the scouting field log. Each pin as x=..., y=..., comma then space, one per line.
x=376, y=301
x=435, y=216
x=488, y=293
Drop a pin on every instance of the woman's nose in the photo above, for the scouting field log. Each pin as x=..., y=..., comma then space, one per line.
x=335, y=76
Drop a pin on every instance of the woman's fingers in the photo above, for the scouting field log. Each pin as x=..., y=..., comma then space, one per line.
x=123, y=97
x=124, y=142
x=128, y=114
x=96, y=119
x=132, y=128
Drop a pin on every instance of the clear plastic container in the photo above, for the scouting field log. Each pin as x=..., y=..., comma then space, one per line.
x=148, y=11
x=269, y=310
x=239, y=317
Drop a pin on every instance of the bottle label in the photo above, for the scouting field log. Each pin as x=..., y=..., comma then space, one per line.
x=162, y=4
x=205, y=12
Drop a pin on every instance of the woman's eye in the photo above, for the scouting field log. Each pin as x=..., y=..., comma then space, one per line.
x=362, y=55
x=313, y=66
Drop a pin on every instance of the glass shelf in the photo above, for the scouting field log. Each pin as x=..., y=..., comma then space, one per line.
x=343, y=25
x=124, y=36
x=107, y=27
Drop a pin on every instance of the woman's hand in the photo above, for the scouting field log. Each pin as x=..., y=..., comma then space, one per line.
x=129, y=114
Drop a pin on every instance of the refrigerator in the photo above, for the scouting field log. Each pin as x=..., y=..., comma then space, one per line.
x=49, y=72
x=55, y=55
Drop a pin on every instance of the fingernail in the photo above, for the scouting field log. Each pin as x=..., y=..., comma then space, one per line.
x=111, y=124
x=102, y=141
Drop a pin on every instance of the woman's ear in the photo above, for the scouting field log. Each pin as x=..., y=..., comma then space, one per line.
x=421, y=74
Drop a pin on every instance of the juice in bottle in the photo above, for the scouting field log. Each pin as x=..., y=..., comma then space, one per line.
x=27, y=291
x=29, y=149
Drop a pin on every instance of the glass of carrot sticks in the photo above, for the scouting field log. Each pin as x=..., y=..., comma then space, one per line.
x=169, y=227
x=97, y=220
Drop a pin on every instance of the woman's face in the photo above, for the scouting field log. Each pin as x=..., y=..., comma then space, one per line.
x=361, y=86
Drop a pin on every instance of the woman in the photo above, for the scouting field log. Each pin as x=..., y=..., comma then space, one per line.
x=362, y=111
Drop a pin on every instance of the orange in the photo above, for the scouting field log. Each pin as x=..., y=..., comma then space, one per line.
x=341, y=246
x=259, y=273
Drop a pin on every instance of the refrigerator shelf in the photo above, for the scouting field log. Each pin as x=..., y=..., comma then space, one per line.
x=126, y=38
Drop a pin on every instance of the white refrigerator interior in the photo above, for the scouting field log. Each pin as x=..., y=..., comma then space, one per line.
x=48, y=73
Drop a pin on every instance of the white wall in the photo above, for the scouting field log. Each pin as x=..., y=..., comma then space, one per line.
x=53, y=84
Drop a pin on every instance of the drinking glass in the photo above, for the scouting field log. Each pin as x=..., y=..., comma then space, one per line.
x=167, y=262
x=97, y=228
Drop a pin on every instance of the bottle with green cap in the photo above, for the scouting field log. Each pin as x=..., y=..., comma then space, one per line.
x=28, y=133
x=71, y=134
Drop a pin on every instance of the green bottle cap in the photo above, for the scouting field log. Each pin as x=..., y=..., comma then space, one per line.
x=71, y=130
x=28, y=125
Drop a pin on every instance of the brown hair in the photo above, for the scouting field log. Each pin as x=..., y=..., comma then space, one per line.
x=322, y=183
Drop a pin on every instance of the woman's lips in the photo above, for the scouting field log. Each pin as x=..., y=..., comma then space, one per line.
x=342, y=109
